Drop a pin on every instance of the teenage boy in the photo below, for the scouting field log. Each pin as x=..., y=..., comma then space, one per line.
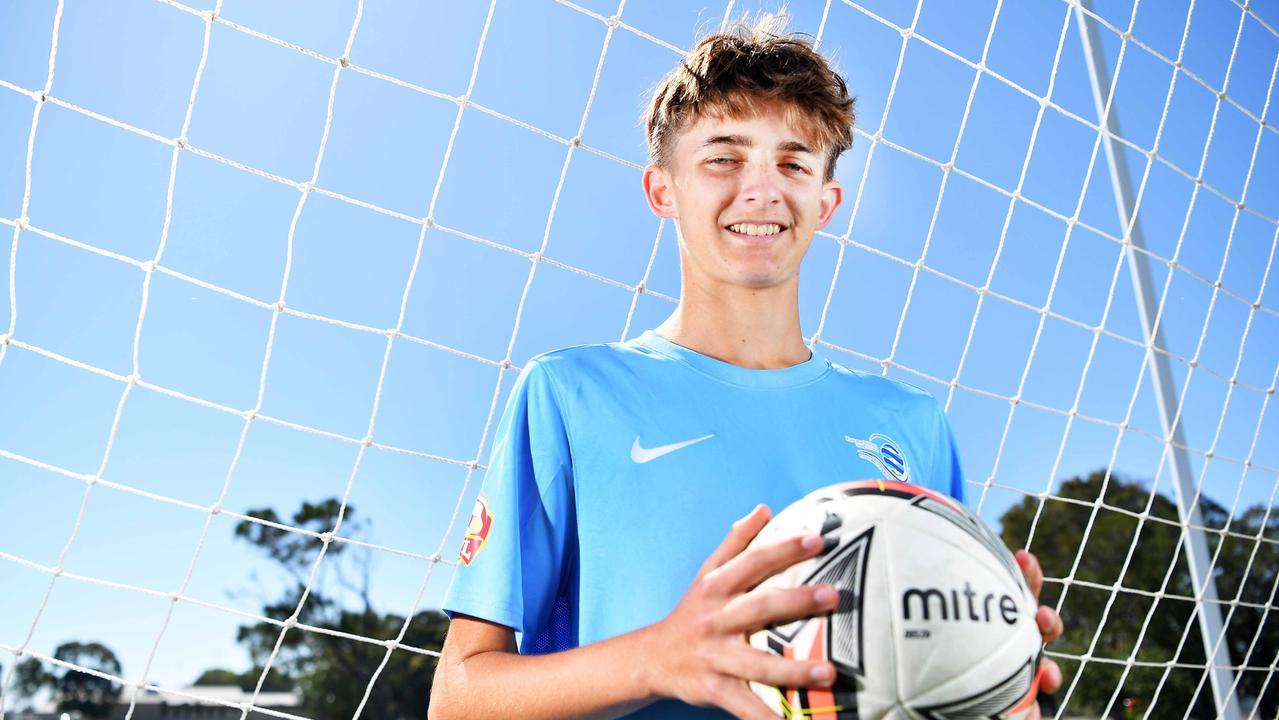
x=596, y=580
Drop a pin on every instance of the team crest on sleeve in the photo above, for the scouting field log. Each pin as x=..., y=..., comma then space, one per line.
x=884, y=453
x=477, y=531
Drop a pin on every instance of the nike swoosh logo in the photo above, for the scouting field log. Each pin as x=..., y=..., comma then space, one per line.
x=641, y=455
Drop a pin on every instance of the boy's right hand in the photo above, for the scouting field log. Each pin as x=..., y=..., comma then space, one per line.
x=700, y=653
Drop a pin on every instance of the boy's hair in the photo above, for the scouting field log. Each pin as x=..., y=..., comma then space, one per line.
x=744, y=72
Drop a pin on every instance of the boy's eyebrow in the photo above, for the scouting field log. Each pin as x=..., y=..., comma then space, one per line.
x=744, y=141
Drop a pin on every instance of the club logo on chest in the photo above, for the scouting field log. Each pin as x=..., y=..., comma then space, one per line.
x=884, y=453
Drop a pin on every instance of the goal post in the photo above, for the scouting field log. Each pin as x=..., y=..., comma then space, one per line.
x=1148, y=307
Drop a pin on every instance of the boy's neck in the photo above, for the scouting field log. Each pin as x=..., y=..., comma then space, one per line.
x=750, y=328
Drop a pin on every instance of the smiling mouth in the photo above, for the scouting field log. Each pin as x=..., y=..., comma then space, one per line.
x=755, y=231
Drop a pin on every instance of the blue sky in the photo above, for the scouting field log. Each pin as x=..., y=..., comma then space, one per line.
x=263, y=105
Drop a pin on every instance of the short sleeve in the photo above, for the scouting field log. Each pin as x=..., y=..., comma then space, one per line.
x=521, y=534
x=946, y=457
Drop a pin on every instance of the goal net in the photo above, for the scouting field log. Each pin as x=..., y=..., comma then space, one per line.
x=270, y=270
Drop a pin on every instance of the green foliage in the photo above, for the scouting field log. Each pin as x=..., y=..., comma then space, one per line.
x=217, y=676
x=333, y=672
x=276, y=681
x=75, y=691
x=1059, y=532
x=294, y=551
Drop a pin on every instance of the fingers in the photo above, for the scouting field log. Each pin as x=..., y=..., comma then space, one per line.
x=1049, y=622
x=772, y=670
x=750, y=568
x=763, y=607
x=1029, y=565
x=1049, y=676
x=739, y=536
x=1048, y=681
x=737, y=698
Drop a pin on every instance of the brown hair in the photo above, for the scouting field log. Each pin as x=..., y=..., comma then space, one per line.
x=744, y=72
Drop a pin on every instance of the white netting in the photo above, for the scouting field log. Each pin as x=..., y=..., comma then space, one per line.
x=1177, y=459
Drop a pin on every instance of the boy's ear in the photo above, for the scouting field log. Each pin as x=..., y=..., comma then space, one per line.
x=658, y=192
x=832, y=197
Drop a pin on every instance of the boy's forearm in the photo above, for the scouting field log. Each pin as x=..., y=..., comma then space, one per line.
x=699, y=653
x=600, y=681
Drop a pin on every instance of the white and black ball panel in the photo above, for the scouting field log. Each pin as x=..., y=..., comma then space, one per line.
x=946, y=593
x=975, y=622
x=995, y=693
x=935, y=619
x=942, y=508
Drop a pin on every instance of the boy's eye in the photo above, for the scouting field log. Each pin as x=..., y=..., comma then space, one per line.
x=796, y=167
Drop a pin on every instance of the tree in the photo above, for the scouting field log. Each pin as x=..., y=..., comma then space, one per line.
x=74, y=690
x=276, y=681
x=1059, y=532
x=333, y=672
x=217, y=676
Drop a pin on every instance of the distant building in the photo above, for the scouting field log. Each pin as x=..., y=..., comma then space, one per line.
x=210, y=702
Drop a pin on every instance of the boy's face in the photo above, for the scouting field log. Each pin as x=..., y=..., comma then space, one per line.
x=748, y=195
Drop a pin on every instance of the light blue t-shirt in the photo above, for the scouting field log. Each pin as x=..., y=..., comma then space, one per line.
x=618, y=468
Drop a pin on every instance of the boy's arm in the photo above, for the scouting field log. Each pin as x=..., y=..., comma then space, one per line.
x=481, y=674
x=699, y=653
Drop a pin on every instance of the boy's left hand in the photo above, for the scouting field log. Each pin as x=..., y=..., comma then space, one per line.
x=1050, y=625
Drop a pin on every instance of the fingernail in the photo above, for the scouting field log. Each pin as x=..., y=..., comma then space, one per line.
x=825, y=595
x=812, y=542
x=823, y=673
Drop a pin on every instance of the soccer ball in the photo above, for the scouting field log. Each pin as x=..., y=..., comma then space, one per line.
x=935, y=619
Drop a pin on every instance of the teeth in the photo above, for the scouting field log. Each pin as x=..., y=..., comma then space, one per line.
x=755, y=230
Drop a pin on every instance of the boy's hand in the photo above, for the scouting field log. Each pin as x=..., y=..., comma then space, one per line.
x=1050, y=625
x=700, y=653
